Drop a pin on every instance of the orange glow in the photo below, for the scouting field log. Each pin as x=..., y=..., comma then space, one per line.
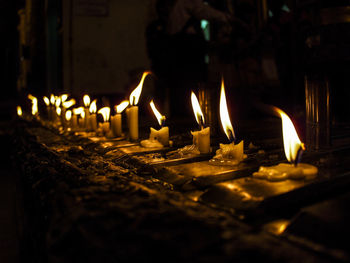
x=19, y=111
x=34, y=104
x=291, y=141
x=69, y=103
x=224, y=116
x=68, y=115
x=93, y=107
x=105, y=112
x=58, y=102
x=160, y=117
x=46, y=100
x=122, y=106
x=136, y=93
x=86, y=100
x=52, y=99
x=64, y=97
x=58, y=111
x=78, y=111
x=197, y=109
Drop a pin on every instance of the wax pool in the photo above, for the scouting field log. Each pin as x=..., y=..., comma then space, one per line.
x=157, y=138
x=202, y=140
x=231, y=154
x=284, y=171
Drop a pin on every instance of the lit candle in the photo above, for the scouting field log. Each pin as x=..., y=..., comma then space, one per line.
x=34, y=105
x=161, y=135
x=93, y=119
x=66, y=104
x=48, y=110
x=116, y=120
x=75, y=121
x=68, y=116
x=105, y=112
x=293, y=149
x=133, y=110
x=228, y=153
x=19, y=111
x=86, y=100
x=201, y=139
x=52, y=107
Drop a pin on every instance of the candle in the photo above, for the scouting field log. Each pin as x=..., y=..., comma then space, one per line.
x=133, y=111
x=201, y=139
x=76, y=123
x=231, y=154
x=19, y=111
x=34, y=105
x=86, y=100
x=293, y=149
x=52, y=108
x=47, y=103
x=92, y=118
x=116, y=120
x=68, y=117
x=105, y=112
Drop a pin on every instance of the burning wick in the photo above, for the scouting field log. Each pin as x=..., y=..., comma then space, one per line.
x=92, y=119
x=105, y=112
x=116, y=120
x=19, y=111
x=293, y=149
x=157, y=138
x=201, y=139
x=232, y=153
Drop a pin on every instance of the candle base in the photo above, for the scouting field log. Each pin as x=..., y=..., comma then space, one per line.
x=151, y=144
x=229, y=154
x=285, y=171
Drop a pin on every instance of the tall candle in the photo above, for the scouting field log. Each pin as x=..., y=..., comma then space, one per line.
x=92, y=116
x=133, y=112
x=116, y=120
x=105, y=112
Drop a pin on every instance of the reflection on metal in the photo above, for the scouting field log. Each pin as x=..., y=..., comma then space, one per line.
x=318, y=126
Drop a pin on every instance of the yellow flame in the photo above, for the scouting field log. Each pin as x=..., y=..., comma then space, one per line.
x=46, y=100
x=291, y=141
x=224, y=116
x=159, y=116
x=69, y=103
x=19, y=111
x=122, y=106
x=64, y=97
x=93, y=107
x=58, y=111
x=34, y=104
x=136, y=93
x=86, y=100
x=58, y=102
x=197, y=109
x=105, y=112
x=68, y=115
x=78, y=111
x=52, y=99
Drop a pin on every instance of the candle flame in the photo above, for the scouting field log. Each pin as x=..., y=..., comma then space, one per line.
x=64, y=97
x=78, y=111
x=197, y=109
x=58, y=111
x=68, y=115
x=224, y=115
x=69, y=103
x=105, y=112
x=93, y=107
x=291, y=141
x=58, y=102
x=159, y=116
x=136, y=93
x=86, y=100
x=34, y=104
x=46, y=100
x=52, y=99
x=122, y=106
x=19, y=111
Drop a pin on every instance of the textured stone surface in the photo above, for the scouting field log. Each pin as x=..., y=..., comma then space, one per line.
x=91, y=205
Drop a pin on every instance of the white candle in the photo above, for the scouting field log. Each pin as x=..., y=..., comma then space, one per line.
x=231, y=152
x=161, y=135
x=293, y=147
x=116, y=123
x=105, y=127
x=74, y=122
x=134, y=123
x=202, y=140
x=87, y=120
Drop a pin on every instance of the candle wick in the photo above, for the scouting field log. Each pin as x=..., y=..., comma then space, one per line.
x=201, y=124
x=298, y=157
